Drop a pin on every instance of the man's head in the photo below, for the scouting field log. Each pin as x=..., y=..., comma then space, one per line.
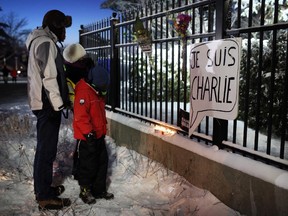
x=57, y=22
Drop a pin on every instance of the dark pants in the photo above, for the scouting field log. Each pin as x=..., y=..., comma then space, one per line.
x=92, y=165
x=48, y=125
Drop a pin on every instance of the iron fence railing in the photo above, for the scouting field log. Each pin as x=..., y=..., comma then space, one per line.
x=150, y=85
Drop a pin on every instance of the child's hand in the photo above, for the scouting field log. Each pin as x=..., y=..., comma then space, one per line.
x=90, y=138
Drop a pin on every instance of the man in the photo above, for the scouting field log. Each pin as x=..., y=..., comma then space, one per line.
x=5, y=74
x=47, y=96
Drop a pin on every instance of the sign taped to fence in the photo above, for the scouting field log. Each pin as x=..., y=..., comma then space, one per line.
x=214, y=80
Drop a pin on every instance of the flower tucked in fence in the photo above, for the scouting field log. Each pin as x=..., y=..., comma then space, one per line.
x=181, y=24
x=142, y=36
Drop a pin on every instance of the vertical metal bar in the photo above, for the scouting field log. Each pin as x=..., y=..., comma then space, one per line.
x=184, y=58
x=166, y=73
x=239, y=10
x=259, y=79
x=156, y=65
x=146, y=75
x=272, y=81
x=127, y=80
x=151, y=79
x=122, y=74
x=142, y=73
x=130, y=77
x=106, y=23
x=201, y=17
x=171, y=82
x=146, y=87
x=122, y=66
x=210, y=18
x=138, y=62
x=211, y=21
x=220, y=14
x=161, y=66
x=247, y=89
x=135, y=71
x=284, y=107
x=141, y=83
x=234, y=136
x=81, y=38
x=135, y=78
x=247, y=79
x=194, y=17
x=220, y=126
x=177, y=96
x=200, y=11
x=115, y=85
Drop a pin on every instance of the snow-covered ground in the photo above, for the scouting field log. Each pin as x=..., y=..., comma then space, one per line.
x=140, y=185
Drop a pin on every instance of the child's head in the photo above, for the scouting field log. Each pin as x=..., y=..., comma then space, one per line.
x=99, y=78
x=74, y=53
x=77, y=62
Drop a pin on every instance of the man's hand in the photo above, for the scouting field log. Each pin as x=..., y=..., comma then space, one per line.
x=54, y=114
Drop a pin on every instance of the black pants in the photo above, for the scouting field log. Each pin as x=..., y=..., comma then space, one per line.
x=92, y=165
x=48, y=125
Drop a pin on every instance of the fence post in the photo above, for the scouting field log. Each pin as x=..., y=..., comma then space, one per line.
x=114, y=66
x=80, y=32
x=220, y=126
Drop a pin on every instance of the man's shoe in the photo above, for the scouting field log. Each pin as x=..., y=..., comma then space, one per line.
x=57, y=191
x=104, y=195
x=86, y=196
x=54, y=203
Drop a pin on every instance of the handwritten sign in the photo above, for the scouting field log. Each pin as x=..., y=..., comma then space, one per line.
x=214, y=80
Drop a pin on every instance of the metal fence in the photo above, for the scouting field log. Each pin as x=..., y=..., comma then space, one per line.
x=153, y=86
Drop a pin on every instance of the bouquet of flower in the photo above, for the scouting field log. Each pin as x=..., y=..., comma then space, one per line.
x=144, y=39
x=181, y=24
x=142, y=36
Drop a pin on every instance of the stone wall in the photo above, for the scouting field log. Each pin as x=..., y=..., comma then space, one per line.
x=248, y=186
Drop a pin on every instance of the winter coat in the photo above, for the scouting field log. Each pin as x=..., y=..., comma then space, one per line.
x=46, y=76
x=89, y=111
x=13, y=73
x=5, y=71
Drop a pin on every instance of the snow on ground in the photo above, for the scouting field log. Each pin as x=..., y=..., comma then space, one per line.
x=141, y=186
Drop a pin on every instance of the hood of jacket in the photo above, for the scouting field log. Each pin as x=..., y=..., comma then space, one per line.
x=39, y=32
x=82, y=85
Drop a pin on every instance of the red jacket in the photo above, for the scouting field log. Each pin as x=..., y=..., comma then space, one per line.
x=89, y=111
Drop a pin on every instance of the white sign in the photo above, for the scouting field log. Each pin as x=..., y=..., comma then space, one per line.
x=214, y=80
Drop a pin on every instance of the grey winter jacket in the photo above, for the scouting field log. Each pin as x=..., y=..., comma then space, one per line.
x=46, y=76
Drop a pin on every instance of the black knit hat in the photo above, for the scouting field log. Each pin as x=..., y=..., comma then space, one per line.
x=55, y=19
x=99, y=78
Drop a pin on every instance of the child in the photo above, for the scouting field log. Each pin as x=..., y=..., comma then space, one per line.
x=89, y=124
x=14, y=75
x=77, y=66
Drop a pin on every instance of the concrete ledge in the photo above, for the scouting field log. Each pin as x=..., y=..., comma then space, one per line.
x=248, y=186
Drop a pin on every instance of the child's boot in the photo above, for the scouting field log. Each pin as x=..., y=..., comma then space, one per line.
x=86, y=196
